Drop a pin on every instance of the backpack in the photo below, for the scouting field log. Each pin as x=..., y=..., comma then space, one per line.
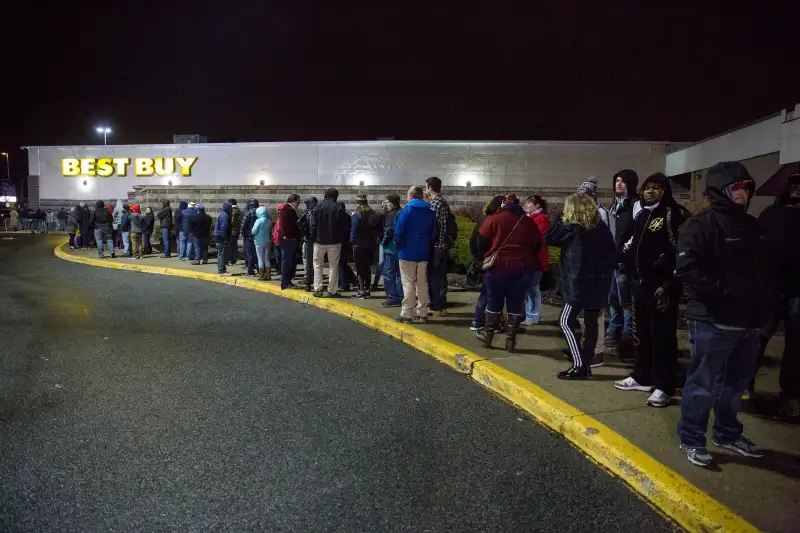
x=450, y=232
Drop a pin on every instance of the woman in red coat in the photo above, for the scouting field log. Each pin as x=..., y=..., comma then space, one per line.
x=536, y=208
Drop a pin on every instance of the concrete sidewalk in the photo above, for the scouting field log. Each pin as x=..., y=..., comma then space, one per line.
x=765, y=492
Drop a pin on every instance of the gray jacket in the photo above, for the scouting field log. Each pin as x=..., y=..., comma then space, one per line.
x=136, y=223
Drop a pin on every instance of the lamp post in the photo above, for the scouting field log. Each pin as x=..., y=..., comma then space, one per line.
x=8, y=167
x=105, y=130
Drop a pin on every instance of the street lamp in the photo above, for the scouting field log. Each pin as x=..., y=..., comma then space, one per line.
x=105, y=130
x=8, y=168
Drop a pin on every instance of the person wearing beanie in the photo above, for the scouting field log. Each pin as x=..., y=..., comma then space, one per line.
x=236, y=228
x=780, y=222
x=621, y=214
x=136, y=231
x=392, y=281
x=364, y=233
x=650, y=264
x=249, y=247
x=329, y=223
x=724, y=262
x=103, y=223
x=222, y=238
x=185, y=235
x=308, y=245
x=200, y=228
x=85, y=225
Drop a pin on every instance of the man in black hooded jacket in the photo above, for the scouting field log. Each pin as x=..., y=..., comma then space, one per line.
x=308, y=242
x=650, y=264
x=622, y=212
x=724, y=261
x=248, y=245
x=165, y=220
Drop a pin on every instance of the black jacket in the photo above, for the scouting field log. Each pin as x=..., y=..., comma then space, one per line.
x=330, y=223
x=651, y=257
x=101, y=219
x=165, y=216
x=723, y=259
x=200, y=225
x=389, y=221
x=249, y=219
x=620, y=214
x=148, y=222
x=781, y=222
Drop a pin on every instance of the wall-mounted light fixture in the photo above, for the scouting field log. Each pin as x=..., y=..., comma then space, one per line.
x=361, y=183
x=169, y=183
x=85, y=182
x=262, y=182
x=469, y=184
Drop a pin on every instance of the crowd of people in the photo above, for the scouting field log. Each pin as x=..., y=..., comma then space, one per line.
x=36, y=220
x=632, y=257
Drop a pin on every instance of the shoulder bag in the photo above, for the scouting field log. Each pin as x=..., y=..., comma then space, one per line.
x=488, y=262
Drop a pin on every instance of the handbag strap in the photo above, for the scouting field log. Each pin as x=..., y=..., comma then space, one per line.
x=509, y=235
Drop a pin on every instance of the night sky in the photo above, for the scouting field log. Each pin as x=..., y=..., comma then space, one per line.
x=287, y=71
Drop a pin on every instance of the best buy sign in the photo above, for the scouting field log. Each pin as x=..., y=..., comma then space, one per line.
x=142, y=166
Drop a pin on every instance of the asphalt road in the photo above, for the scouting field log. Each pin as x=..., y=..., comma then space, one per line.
x=134, y=402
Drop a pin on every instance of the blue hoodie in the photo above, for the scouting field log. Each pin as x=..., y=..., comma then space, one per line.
x=415, y=231
x=262, y=229
x=179, y=217
x=186, y=214
x=222, y=227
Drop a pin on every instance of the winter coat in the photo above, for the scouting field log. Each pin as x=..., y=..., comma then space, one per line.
x=179, y=216
x=200, y=224
x=15, y=218
x=186, y=214
x=415, y=231
x=125, y=224
x=148, y=222
x=389, y=220
x=262, y=229
x=287, y=224
x=276, y=228
x=249, y=219
x=587, y=263
x=222, y=227
x=519, y=254
x=73, y=221
x=236, y=221
x=329, y=224
x=165, y=216
x=724, y=260
x=364, y=233
x=305, y=219
x=136, y=220
x=117, y=214
x=101, y=219
x=621, y=213
x=84, y=217
x=780, y=222
x=543, y=223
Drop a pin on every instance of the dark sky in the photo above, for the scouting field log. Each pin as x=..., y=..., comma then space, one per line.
x=274, y=71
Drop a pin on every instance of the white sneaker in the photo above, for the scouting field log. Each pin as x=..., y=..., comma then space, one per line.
x=631, y=384
x=659, y=398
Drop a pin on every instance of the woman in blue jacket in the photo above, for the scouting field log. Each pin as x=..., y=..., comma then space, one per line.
x=262, y=237
x=414, y=233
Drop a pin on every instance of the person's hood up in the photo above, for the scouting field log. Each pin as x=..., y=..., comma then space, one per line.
x=183, y=205
x=227, y=207
x=416, y=203
x=119, y=205
x=110, y=210
x=514, y=208
x=723, y=175
x=630, y=178
x=99, y=204
x=235, y=208
x=83, y=204
x=261, y=212
x=663, y=181
x=312, y=202
x=784, y=198
x=280, y=207
x=77, y=207
x=252, y=204
x=136, y=209
x=165, y=203
x=126, y=208
x=331, y=194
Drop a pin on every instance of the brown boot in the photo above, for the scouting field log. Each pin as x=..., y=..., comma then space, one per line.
x=268, y=274
x=261, y=274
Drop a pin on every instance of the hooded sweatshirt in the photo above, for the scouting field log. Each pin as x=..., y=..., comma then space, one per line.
x=101, y=219
x=165, y=215
x=624, y=209
x=125, y=223
x=117, y=214
x=236, y=220
x=305, y=221
x=780, y=222
x=330, y=223
x=415, y=231
x=723, y=259
x=262, y=229
x=179, y=216
x=200, y=224
x=148, y=221
x=188, y=212
x=136, y=219
x=222, y=227
x=249, y=219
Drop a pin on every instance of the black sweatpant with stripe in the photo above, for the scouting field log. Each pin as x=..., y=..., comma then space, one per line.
x=591, y=328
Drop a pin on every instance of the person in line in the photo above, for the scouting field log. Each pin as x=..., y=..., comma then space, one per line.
x=85, y=225
x=51, y=220
x=585, y=269
x=381, y=225
x=136, y=231
x=328, y=225
x=125, y=229
x=117, y=214
x=536, y=208
x=275, y=233
x=262, y=235
x=102, y=222
x=165, y=220
x=723, y=260
x=347, y=277
x=73, y=223
x=180, y=238
x=249, y=247
x=437, y=267
x=650, y=265
x=589, y=188
x=509, y=244
x=364, y=233
x=222, y=238
x=308, y=244
x=200, y=228
x=288, y=239
x=479, y=320
x=15, y=222
x=780, y=222
x=148, y=223
x=414, y=234
x=236, y=225
x=623, y=211
x=392, y=281
x=61, y=216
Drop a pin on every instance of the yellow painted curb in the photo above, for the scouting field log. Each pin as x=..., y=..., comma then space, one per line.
x=675, y=496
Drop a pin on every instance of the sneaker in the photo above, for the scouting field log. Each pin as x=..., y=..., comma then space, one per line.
x=100, y=256
x=319, y=294
x=438, y=314
x=475, y=326
x=597, y=360
x=113, y=255
x=387, y=303
x=698, y=456
x=402, y=320
x=71, y=247
x=659, y=398
x=631, y=384
x=225, y=274
x=420, y=320
x=529, y=323
x=358, y=296
x=742, y=446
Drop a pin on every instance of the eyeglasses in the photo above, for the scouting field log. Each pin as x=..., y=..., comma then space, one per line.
x=741, y=185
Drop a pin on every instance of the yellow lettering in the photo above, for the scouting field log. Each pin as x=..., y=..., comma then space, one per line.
x=122, y=165
x=144, y=166
x=88, y=167
x=165, y=166
x=70, y=167
x=104, y=167
x=186, y=164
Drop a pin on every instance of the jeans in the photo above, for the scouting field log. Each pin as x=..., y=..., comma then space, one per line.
x=363, y=256
x=533, y=299
x=288, y=261
x=148, y=249
x=437, y=277
x=223, y=248
x=250, y=259
x=71, y=239
x=333, y=251
x=392, y=280
x=415, y=289
x=789, y=312
x=126, y=243
x=103, y=237
x=506, y=289
x=722, y=363
x=480, y=307
x=308, y=263
x=262, y=255
x=591, y=321
x=165, y=241
x=184, y=250
x=620, y=304
x=200, y=248
x=234, y=251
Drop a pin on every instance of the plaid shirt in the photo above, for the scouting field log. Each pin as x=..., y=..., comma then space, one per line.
x=441, y=209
